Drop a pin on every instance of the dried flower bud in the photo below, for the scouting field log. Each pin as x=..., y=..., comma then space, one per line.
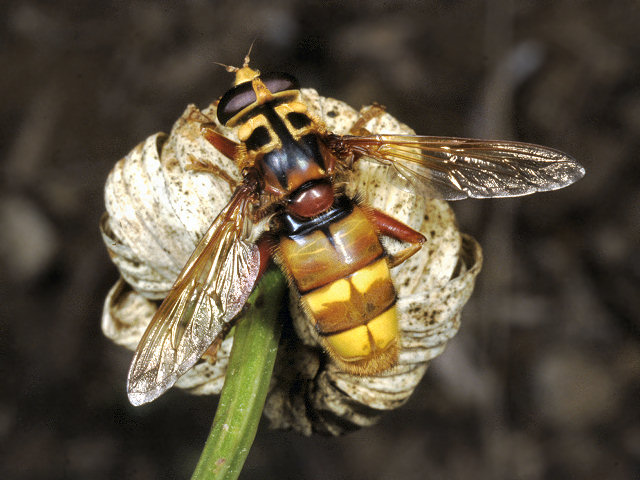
x=157, y=210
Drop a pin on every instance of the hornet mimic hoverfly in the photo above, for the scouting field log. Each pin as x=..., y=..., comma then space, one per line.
x=327, y=242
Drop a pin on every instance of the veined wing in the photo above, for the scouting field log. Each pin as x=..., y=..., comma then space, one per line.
x=211, y=289
x=456, y=168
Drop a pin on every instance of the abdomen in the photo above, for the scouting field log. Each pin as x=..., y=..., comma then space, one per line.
x=340, y=269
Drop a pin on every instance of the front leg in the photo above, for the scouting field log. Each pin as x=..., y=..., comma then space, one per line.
x=366, y=115
x=397, y=230
x=227, y=147
x=202, y=165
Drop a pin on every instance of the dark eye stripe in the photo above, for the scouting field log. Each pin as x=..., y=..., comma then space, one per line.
x=258, y=138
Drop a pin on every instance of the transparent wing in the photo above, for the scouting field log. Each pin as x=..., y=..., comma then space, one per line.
x=456, y=168
x=211, y=289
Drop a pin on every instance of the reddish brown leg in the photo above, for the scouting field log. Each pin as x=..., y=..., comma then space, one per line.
x=221, y=143
x=199, y=165
x=195, y=115
x=227, y=147
x=265, y=247
x=391, y=227
x=369, y=113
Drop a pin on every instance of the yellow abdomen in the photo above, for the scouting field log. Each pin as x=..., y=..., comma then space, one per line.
x=341, y=272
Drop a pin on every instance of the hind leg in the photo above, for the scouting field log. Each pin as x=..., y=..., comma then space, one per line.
x=397, y=230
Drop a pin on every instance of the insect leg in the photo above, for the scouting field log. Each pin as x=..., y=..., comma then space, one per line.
x=227, y=147
x=391, y=227
x=212, y=352
x=266, y=245
x=223, y=145
x=368, y=114
x=200, y=165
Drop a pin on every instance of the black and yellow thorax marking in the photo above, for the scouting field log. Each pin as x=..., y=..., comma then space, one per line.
x=271, y=126
x=281, y=142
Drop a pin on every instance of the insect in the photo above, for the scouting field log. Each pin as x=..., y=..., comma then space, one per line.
x=327, y=242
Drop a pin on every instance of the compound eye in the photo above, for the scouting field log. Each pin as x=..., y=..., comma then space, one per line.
x=234, y=101
x=279, y=82
x=241, y=96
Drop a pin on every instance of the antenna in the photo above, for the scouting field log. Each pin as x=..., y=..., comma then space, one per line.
x=246, y=57
x=228, y=68
x=245, y=73
x=232, y=69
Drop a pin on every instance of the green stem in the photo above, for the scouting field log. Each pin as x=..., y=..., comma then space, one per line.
x=255, y=344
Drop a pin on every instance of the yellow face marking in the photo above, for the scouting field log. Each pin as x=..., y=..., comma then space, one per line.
x=384, y=328
x=352, y=344
x=338, y=291
x=365, y=277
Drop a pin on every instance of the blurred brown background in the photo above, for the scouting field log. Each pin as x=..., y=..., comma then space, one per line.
x=543, y=379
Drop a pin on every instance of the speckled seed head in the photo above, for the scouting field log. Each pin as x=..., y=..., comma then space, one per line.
x=157, y=210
